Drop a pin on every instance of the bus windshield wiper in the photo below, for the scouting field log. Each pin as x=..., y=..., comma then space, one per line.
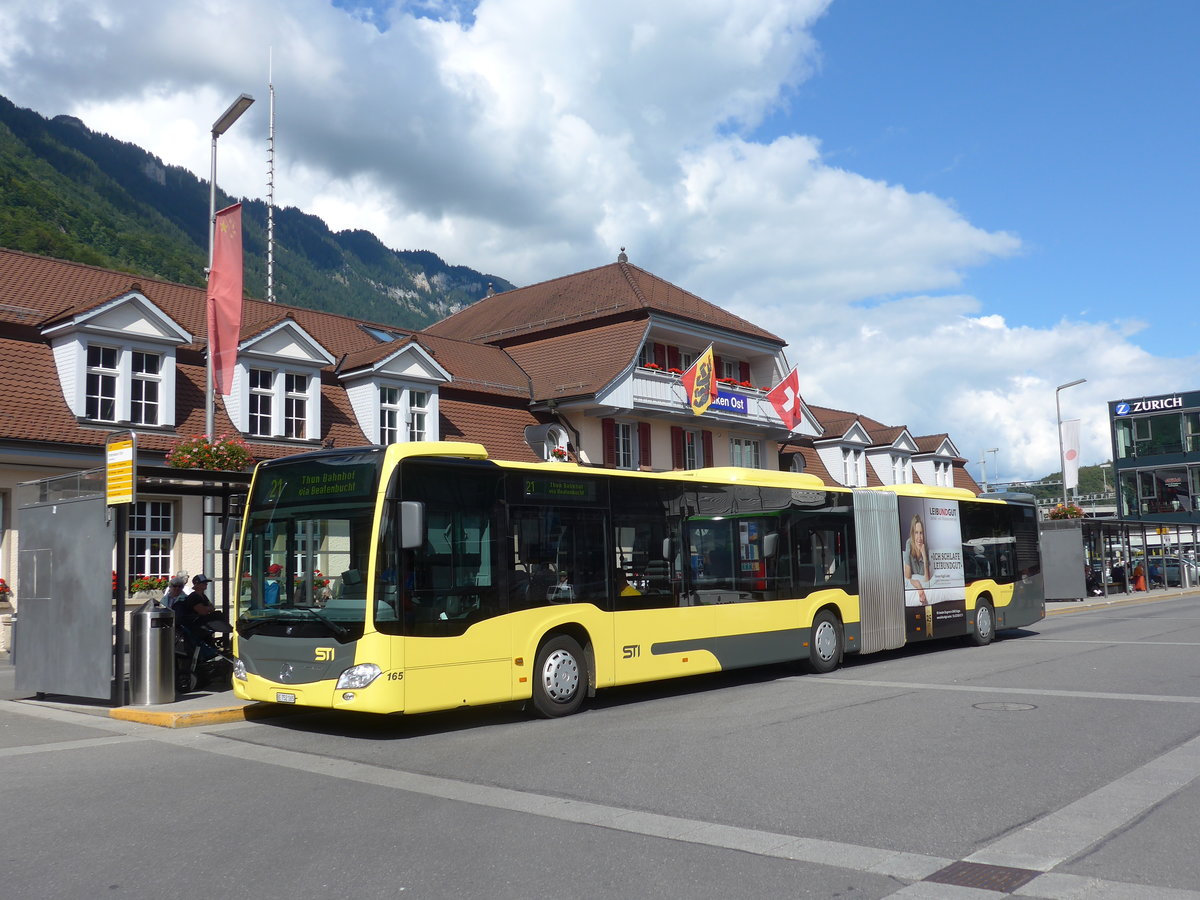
x=338, y=631
x=249, y=627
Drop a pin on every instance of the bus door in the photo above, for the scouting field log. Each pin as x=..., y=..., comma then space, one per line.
x=457, y=648
x=880, y=570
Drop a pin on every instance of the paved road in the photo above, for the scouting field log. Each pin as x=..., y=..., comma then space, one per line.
x=1060, y=762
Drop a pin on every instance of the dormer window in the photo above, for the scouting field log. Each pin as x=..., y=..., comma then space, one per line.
x=116, y=362
x=395, y=393
x=403, y=414
x=280, y=403
x=277, y=384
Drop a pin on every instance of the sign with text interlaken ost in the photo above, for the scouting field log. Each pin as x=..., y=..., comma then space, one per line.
x=120, y=467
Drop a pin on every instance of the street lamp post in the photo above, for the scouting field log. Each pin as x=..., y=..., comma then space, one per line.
x=231, y=115
x=1062, y=460
x=995, y=463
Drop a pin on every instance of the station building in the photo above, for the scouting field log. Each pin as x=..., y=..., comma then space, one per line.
x=1156, y=457
x=586, y=367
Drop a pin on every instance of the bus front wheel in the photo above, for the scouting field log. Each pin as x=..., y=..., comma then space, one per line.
x=984, y=624
x=561, y=677
x=825, y=643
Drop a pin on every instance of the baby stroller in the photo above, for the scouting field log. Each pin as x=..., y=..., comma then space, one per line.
x=203, y=658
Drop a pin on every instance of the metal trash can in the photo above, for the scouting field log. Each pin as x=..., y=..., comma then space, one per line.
x=152, y=655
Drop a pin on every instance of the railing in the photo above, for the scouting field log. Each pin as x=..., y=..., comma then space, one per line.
x=655, y=389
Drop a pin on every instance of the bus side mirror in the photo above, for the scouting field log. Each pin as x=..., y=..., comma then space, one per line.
x=770, y=545
x=668, y=549
x=412, y=524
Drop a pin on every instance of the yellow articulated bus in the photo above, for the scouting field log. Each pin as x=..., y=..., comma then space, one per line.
x=424, y=576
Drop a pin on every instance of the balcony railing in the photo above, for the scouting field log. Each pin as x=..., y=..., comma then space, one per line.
x=654, y=389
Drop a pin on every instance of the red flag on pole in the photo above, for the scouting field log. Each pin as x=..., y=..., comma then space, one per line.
x=700, y=382
x=785, y=397
x=225, y=297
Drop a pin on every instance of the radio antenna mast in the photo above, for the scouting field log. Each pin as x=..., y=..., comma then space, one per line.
x=271, y=181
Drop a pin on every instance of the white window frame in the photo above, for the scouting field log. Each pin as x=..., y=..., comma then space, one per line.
x=745, y=452
x=854, y=467
x=150, y=548
x=145, y=382
x=403, y=411
x=295, y=404
x=419, y=401
x=120, y=380
x=391, y=413
x=693, y=449
x=265, y=393
x=283, y=399
x=901, y=469
x=625, y=445
x=106, y=377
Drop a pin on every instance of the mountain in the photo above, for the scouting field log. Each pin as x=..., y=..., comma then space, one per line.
x=71, y=193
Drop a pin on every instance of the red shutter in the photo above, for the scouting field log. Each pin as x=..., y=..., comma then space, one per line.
x=706, y=440
x=743, y=371
x=676, y=447
x=644, y=444
x=673, y=360
x=718, y=372
x=608, y=429
x=660, y=355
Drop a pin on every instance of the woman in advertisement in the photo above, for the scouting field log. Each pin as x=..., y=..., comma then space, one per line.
x=916, y=559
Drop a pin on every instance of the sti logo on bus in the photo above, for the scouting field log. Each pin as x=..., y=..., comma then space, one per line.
x=629, y=651
x=1138, y=406
x=324, y=654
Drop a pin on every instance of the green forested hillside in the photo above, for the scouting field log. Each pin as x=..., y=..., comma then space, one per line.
x=71, y=193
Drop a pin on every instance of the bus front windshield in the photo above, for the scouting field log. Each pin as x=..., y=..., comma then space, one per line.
x=307, y=546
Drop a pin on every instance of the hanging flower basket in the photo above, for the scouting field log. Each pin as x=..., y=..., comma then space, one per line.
x=223, y=453
x=1069, y=511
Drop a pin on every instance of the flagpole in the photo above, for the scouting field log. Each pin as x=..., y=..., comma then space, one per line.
x=1062, y=455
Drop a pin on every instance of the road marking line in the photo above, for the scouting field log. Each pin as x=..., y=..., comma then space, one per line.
x=908, y=867
x=986, y=689
x=1067, y=832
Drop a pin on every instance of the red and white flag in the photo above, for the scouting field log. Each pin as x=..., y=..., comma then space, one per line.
x=225, y=297
x=1070, y=443
x=785, y=397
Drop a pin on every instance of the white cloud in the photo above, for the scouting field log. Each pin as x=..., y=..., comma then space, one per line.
x=531, y=139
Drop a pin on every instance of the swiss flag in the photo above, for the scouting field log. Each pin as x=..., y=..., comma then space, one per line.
x=785, y=397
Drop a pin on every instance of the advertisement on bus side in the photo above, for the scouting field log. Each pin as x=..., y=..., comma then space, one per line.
x=934, y=586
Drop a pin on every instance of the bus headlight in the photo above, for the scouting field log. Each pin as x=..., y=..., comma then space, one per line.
x=239, y=670
x=358, y=676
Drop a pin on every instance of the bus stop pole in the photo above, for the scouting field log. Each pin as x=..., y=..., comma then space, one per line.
x=118, y=686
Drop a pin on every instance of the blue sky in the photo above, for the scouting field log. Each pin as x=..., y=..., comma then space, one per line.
x=1070, y=122
x=946, y=208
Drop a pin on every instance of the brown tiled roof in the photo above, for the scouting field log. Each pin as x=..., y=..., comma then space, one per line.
x=963, y=479
x=580, y=362
x=615, y=291
x=501, y=429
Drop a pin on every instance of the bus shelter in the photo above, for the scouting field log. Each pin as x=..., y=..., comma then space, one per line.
x=70, y=637
x=1093, y=557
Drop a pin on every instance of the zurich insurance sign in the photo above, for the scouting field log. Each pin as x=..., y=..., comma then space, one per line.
x=1154, y=404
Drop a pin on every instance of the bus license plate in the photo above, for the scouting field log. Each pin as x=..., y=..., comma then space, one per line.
x=285, y=698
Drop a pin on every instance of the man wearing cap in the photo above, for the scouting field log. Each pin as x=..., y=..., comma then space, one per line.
x=271, y=588
x=197, y=604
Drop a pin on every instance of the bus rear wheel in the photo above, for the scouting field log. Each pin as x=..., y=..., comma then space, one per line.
x=561, y=677
x=825, y=643
x=983, y=624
